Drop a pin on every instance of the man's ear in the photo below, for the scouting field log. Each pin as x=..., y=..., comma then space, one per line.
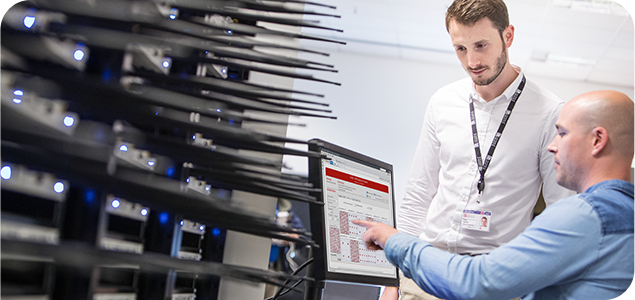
x=600, y=140
x=508, y=35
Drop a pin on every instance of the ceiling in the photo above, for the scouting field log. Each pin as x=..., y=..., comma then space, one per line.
x=566, y=39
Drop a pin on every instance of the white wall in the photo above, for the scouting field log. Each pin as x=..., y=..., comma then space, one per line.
x=381, y=103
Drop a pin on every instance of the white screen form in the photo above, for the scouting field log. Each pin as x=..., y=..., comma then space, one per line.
x=354, y=187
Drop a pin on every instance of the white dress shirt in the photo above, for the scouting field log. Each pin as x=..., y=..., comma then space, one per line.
x=444, y=174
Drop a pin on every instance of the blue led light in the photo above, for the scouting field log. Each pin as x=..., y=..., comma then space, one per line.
x=28, y=21
x=166, y=64
x=17, y=100
x=229, y=32
x=58, y=187
x=292, y=254
x=5, y=172
x=151, y=163
x=172, y=16
x=144, y=212
x=106, y=75
x=123, y=148
x=216, y=232
x=224, y=71
x=164, y=218
x=207, y=188
x=89, y=196
x=187, y=180
x=194, y=137
x=115, y=203
x=218, y=109
x=182, y=222
x=18, y=93
x=78, y=55
x=170, y=172
x=69, y=121
x=202, y=227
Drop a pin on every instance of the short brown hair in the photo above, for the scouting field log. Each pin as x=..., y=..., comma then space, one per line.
x=468, y=12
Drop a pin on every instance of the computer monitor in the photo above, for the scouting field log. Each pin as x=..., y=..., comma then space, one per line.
x=354, y=187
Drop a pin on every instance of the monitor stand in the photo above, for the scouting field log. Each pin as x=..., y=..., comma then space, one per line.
x=337, y=290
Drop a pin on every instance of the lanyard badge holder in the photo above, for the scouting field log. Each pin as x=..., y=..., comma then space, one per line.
x=480, y=220
x=483, y=165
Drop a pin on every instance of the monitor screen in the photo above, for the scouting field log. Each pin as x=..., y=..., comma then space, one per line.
x=354, y=187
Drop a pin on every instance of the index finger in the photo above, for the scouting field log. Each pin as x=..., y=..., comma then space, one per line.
x=362, y=223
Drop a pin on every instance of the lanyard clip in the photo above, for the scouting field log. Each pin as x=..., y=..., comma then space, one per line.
x=481, y=185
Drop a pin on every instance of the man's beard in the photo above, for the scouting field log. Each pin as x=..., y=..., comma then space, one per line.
x=500, y=65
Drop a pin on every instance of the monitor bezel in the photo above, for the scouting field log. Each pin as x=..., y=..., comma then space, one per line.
x=320, y=269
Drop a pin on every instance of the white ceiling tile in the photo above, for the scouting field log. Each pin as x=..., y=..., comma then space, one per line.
x=558, y=71
x=526, y=27
x=612, y=78
x=536, y=2
x=615, y=65
x=583, y=19
x=521, y=11
x=624, y=40
x=573, y=48
x=628, y=26
x=575, y=33
x=625, y=54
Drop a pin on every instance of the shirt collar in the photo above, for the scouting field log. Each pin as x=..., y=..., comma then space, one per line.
x=507, y=94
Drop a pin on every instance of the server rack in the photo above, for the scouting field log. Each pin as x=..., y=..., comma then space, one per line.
x=130, y=129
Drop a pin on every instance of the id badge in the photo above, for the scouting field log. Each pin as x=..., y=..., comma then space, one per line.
x=479, y=220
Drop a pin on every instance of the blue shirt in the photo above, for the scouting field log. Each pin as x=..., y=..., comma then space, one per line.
x=581, y=247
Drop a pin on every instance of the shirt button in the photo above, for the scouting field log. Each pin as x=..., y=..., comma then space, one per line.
x=455, y=227
x=463, y=198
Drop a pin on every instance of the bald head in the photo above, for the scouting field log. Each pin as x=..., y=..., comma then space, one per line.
x=608, y=109
x=594, y=141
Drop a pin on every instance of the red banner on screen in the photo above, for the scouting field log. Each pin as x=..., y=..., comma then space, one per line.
x=356, y=180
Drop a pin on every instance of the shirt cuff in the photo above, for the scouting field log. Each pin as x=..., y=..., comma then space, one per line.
x=396, y=246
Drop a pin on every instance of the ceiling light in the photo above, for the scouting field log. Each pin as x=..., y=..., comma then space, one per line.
x=569, y=60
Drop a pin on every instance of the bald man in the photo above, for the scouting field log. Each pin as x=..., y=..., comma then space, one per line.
x=581, y=247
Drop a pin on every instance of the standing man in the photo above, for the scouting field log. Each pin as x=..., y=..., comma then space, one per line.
x=580, y=247
x=456, y=178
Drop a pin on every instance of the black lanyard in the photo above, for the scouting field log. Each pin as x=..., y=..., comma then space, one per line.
x=482, y=167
